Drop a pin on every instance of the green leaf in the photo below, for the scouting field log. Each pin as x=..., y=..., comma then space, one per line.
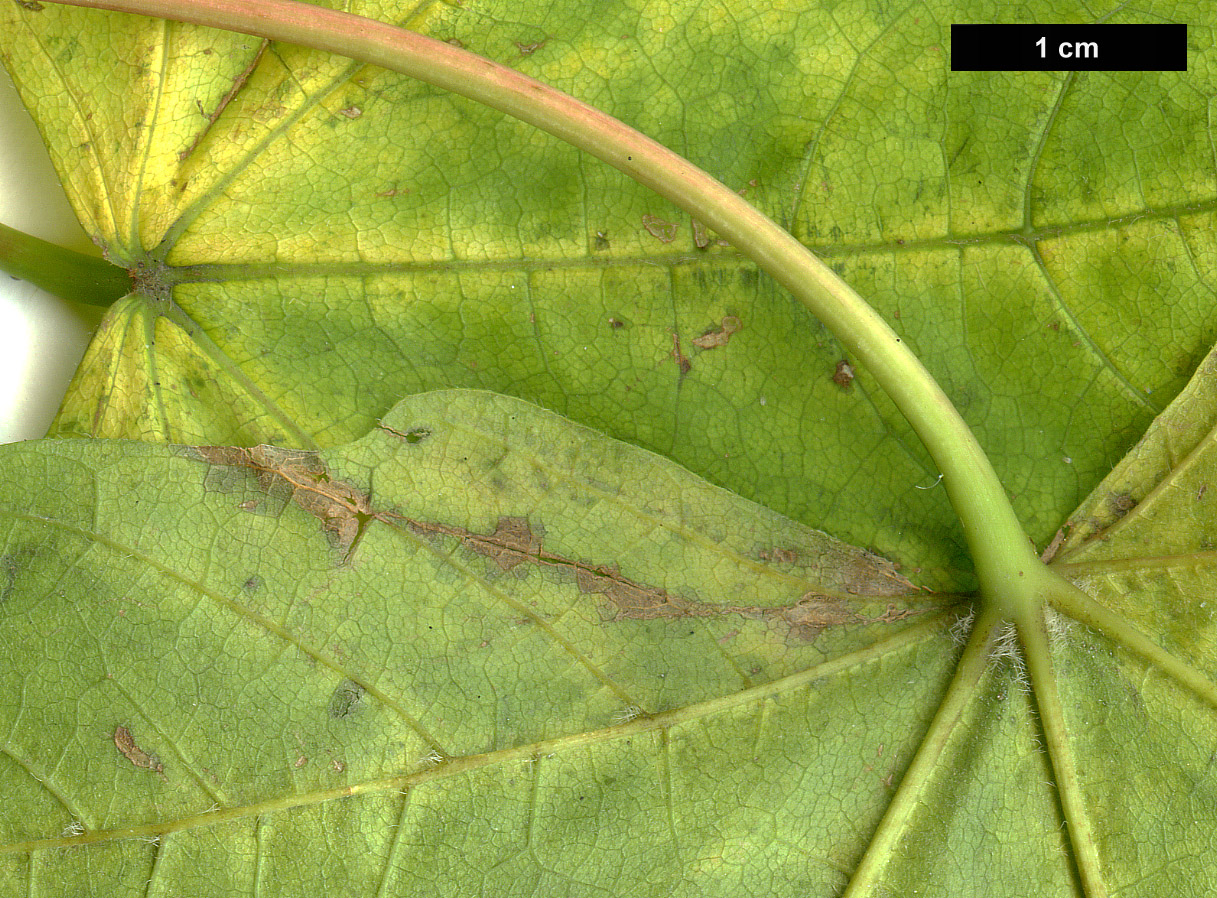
x=484, y=650
x=584, y=671
x=337, y=236
x=584, y=642
x=1143, y=547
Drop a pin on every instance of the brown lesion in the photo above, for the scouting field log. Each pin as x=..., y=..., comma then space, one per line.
x=125, y=743
x=530, y=47
x=719, y=336
x=300, y=475
x=869, y=573
x=1121, y=504
x=661, y=230
x=681, y=360
x=843, y=374
x=514, y=542
x=1054, y=546
x=779, y=555
x=703, y=236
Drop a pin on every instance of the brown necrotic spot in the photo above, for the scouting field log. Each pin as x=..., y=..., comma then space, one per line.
x=720, y=336
x=530, y=47
x=682, y=362
x=814, y=613
x=413, y=436
x=779, y=555
x=512, y=543
x=125, y=743
x=238, y=83
x=843, y=375
x=1121, y=504
x=293, y=475
x=663, y=231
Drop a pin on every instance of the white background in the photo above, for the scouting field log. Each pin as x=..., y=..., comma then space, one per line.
x=41, y=338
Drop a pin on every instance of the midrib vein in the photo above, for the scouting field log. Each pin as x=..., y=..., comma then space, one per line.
x=205, y=272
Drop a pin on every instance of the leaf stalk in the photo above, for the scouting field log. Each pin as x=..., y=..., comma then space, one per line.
x=60, y=271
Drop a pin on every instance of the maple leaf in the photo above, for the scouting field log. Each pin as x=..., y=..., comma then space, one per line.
x=535, y=659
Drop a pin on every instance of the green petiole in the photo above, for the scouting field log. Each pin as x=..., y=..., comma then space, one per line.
x=62, y=272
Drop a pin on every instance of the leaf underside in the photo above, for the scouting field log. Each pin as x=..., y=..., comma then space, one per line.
x=585, y=671
x=468, y=646
x=338, y=236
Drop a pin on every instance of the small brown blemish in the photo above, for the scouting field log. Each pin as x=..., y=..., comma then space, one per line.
x=868, y=573
x=125, y=743
x=300, y=762
x=704, y=237
x=527, y=49
x=31, y=5
x=720, y=337
x=351, y=112
x=1054, y=546
x=602, y=241
x=1121, y=504
x=663, y=231
x=1054, y=326
x=682, y=362
x=393, y=191
x=616, y=323
x=413, y=436
x=1204, y=488
x=843, y=375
